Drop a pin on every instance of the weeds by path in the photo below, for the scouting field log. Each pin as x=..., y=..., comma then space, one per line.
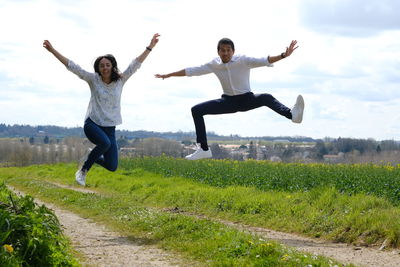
x=30, y=234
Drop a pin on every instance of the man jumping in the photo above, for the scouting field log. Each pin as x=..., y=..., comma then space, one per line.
x=233, y=72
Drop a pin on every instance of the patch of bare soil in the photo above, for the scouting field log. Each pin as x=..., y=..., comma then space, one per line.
x=360, y=256
x=102, y=247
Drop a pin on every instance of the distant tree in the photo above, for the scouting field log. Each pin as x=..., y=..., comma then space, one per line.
x=390, y=145
x=218, y=151
x=31, y=140
x=320, y=149
x=158, y=146
x=46, y=139
x=237, y=156
x=288, y=153
x=252, y=151
x=136, y=141
x=52, y=153
x=186, y=142
x=35, y=154
x=122, y=141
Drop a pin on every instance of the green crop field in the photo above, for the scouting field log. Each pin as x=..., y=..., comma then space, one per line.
x=369, y=179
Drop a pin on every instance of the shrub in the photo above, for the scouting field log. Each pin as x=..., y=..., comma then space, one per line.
x=30, y=235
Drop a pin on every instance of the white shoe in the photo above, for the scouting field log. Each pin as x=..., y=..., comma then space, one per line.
x=80, y=177
x=297, y=110
x=199, y=154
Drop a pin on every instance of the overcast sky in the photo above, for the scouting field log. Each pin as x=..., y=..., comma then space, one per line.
x=347, y=66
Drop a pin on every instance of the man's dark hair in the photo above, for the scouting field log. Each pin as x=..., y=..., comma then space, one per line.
x=115, y=74
x=226, y=41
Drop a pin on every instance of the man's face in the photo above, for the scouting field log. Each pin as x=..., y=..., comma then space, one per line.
x=225, y=52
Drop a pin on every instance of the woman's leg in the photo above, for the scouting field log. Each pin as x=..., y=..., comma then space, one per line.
x=109, y=160
x=100, y=136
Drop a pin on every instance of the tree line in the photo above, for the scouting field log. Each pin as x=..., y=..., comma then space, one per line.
x=37, y=132
x=20, y=152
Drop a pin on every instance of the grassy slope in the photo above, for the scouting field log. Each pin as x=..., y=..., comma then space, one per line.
x=124, y=197
x=321, y=212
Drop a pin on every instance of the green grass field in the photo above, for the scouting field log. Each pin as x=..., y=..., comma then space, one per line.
x=333, y=202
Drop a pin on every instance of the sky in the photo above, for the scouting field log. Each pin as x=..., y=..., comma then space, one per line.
x=347, y=66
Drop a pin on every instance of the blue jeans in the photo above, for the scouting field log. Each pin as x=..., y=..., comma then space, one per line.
x=231, y=104
x=105, y=152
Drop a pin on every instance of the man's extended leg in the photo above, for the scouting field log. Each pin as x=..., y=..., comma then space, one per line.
x=258, y=100
x=254, y=101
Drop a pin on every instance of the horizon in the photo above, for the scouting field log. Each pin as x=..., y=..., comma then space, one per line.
x=210, y=133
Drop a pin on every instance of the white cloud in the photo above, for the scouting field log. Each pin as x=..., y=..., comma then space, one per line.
x=351, y=18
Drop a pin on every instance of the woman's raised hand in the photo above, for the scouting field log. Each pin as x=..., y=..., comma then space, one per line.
x=154, y=40
x=47, y=45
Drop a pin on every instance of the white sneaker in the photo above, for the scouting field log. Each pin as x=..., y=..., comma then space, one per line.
x=80, y=177
x=199, y=154
x=297, y=110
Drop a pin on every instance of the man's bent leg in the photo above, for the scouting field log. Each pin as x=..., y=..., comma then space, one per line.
x=217, y=106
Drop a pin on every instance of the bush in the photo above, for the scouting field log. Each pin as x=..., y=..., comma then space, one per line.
x=30, y=235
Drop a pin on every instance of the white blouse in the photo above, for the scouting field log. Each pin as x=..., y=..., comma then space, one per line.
x=105, y=100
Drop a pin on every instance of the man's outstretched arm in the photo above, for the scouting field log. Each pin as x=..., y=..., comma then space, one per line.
x=287, y=53
x=176, y=74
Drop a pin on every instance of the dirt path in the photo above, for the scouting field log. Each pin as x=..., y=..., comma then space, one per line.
x=360, y=256
x=97, y=241
x=102, y=247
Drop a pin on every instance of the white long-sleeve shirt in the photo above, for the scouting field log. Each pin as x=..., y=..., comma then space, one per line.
x=234, y=76
x=105, y=100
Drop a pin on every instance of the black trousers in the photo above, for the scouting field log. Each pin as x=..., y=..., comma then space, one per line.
x=231, y=104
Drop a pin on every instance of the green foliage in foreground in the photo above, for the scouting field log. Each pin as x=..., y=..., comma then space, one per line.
x=30, y=235
x=202, y=240
x=380, y=181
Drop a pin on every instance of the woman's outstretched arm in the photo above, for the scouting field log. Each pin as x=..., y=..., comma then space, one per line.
x=148, y=49
x=50, y=48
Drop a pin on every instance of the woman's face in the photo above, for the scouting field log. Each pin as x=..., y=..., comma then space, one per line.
x=105, y=68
